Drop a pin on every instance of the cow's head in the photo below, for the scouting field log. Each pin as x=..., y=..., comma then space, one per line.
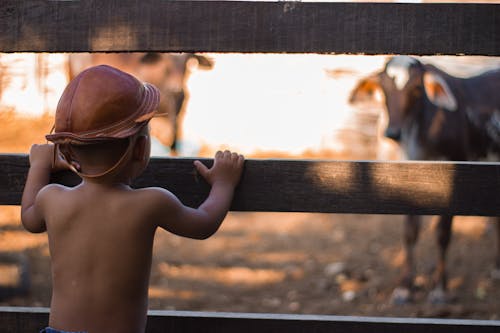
x=402, y=85
x=170, y=72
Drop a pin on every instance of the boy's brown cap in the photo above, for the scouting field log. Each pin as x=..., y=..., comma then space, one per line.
x=103, y=103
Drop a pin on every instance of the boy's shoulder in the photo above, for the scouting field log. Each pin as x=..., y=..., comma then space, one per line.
x=52, y=190
x=50, y=194
x=156, y=200
x=155, y=195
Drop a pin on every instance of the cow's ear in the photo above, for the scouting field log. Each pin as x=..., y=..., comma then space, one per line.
x=195, y=61
x=367, y=90
x=151, y=58
x=438, y=91
x=204, y=62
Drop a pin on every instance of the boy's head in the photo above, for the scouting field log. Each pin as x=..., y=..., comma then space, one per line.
x=101, y=107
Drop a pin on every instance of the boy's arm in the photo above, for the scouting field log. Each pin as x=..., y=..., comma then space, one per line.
x=41, y=157
x=202, y=222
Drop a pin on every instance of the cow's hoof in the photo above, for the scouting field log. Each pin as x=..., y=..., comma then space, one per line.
x=401, y=295
x=439, y=296
x=495, y=274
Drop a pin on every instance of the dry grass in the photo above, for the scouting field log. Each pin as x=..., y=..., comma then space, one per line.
x=19, y=133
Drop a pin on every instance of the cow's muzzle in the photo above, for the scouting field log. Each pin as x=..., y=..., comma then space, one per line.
x=393, y=133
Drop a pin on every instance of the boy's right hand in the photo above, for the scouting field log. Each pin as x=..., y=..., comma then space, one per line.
x=227, y=169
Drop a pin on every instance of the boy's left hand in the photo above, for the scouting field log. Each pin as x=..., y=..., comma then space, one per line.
x=42, y=155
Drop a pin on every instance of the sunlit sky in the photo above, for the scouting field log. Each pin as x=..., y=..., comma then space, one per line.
x=274, y=102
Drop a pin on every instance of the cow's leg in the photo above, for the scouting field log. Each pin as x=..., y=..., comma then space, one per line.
x=403, y=293
x=496, y=271
x=179, y=98
x=439, y=293
x=174, y=147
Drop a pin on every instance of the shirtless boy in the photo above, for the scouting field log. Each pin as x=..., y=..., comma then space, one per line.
x=101, y=231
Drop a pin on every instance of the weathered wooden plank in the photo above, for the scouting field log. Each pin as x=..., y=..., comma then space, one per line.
x=21, y=320
x=187, y=321
x=236, y=26
x=425, y=188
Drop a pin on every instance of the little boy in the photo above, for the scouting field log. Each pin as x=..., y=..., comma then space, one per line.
x=101, y=231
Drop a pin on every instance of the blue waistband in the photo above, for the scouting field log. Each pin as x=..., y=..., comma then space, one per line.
x=51, y=330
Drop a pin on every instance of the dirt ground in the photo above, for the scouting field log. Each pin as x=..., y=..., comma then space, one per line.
x=282, y=262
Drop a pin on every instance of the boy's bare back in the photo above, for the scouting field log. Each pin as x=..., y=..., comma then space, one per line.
x=100, y=241
x=101, y=233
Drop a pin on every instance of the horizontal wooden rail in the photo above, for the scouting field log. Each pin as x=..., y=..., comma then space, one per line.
x=424, y=188
x=236, y=26
x=20, y=320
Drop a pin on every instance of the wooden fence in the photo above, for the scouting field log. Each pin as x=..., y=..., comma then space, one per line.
x=306, y=186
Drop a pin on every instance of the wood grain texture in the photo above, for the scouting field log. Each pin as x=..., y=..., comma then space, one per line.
x=424, y=188
x=23, y=320
x=236, y=26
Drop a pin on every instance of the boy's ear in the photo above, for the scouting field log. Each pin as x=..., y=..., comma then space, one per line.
x=139, y=152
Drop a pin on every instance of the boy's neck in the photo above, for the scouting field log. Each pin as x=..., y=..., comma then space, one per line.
x=108, y=182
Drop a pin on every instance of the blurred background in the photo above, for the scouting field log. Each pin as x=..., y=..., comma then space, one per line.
x=265, y=106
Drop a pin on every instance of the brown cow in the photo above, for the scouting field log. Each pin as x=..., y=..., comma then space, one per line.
x=168, y=71
x=435, y=116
